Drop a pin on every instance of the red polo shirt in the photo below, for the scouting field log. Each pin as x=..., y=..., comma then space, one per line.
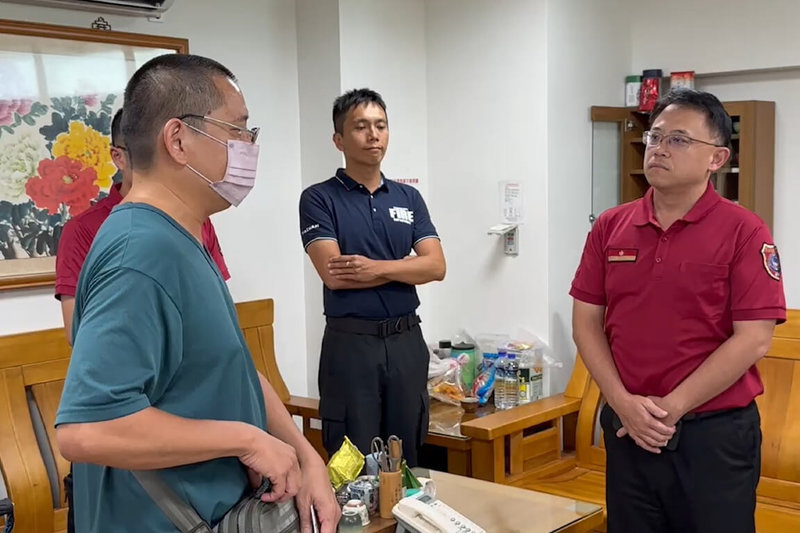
x=78, y=235
x=672, y=296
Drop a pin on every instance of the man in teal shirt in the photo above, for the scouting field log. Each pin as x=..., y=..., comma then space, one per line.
x=160, y=376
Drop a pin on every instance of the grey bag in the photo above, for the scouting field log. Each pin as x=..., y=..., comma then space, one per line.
x=250, y=515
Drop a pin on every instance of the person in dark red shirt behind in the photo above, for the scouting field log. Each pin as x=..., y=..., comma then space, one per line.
x=79, y=232
x=675, y=300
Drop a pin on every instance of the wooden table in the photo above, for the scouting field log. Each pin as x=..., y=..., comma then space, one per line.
x=524, y=511
x=444, y=431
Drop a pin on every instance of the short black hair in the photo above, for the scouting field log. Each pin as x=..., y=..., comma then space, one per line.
x=116, y=129
x=718, y=120
x=167, y=87
x=351, y=99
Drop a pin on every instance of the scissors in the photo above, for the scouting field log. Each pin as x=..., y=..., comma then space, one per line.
x=378, y=449
x=395, y=449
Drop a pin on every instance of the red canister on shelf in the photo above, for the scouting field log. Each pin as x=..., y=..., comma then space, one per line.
x=651, y=89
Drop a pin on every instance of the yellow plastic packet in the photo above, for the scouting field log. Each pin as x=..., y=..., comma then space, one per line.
x=345, y=465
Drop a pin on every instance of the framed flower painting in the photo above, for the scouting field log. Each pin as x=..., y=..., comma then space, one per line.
x=59, y=89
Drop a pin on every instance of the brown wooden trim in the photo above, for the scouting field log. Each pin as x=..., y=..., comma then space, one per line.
x=60, y=520
x=503, y=423
x=515, y=453
x=27, y=281
x=23, y=349
x=302, y=406
x=53, y=31
x=255, y=313
x=764, y=181
x=778, y=489
x=446, y=441
x=542, y=443
x=579, y=379
x=488, y=460
x=790, y=328
x=783, y=348
x=609, y=114
x=459, y=462
x=45, y=372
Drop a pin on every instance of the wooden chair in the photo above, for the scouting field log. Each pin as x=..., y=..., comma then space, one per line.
x=32, y=371
x=522, y=447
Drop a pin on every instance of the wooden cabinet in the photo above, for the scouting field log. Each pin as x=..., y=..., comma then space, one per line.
x=748, y=176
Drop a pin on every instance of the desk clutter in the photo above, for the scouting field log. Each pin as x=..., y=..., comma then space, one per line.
x=372, y=485
x=499, y=368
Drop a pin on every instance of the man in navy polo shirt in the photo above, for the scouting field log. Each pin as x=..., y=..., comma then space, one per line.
x=676, y=298
x=359, y=230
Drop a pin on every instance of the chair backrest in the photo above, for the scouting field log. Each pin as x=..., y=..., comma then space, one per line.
x=780, y=413
x=33, y=367
x=589, y=450
x=32, y=363
x=256, y=320
x=779, y=407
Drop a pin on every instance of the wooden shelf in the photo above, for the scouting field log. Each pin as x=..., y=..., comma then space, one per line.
x=749, y=182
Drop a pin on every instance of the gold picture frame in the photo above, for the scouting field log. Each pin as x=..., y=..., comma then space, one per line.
x=60, y=88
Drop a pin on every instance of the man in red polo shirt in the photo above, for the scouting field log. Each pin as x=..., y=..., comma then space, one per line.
x=675, y=300
x=79, y=232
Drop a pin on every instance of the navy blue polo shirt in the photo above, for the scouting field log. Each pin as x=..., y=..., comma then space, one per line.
x=384, y=225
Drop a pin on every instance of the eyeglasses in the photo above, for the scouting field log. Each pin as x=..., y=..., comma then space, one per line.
x=675, y=141
x=244, y=134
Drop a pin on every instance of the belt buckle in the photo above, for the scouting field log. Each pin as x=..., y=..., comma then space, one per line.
x=388, y=327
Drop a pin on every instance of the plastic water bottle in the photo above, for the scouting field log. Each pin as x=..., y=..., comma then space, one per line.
x=511, y=375
x=500, y=381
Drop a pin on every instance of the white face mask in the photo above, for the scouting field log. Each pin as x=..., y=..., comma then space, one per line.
x=240, y=172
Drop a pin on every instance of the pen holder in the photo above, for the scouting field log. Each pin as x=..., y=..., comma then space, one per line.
x=391, y=491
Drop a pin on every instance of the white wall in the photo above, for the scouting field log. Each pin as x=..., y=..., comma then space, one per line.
x=383, y=48
x=259, y=239
x=588, y=55
x=487, y=122
x=319, y=82
x=714, y=35
x=348, y=44
x=740, y=36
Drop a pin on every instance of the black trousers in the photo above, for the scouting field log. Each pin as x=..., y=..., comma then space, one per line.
x=707, y=485
x=374, y=386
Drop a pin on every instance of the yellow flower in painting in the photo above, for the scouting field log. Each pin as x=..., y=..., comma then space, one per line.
x=90, y=147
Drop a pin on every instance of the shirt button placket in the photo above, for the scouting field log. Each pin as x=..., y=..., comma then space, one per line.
x=373, y=212
x=661, y=253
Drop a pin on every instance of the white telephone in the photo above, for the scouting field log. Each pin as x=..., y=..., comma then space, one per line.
x=422, y=514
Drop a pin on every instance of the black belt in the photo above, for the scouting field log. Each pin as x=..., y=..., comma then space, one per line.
x=688, y=417
x=378, y=328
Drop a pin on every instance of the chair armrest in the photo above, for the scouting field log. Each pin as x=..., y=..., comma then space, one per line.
x=504, y=423
x=302, y=406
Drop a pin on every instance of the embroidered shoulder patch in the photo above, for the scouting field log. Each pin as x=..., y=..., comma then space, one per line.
x=771, y=260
